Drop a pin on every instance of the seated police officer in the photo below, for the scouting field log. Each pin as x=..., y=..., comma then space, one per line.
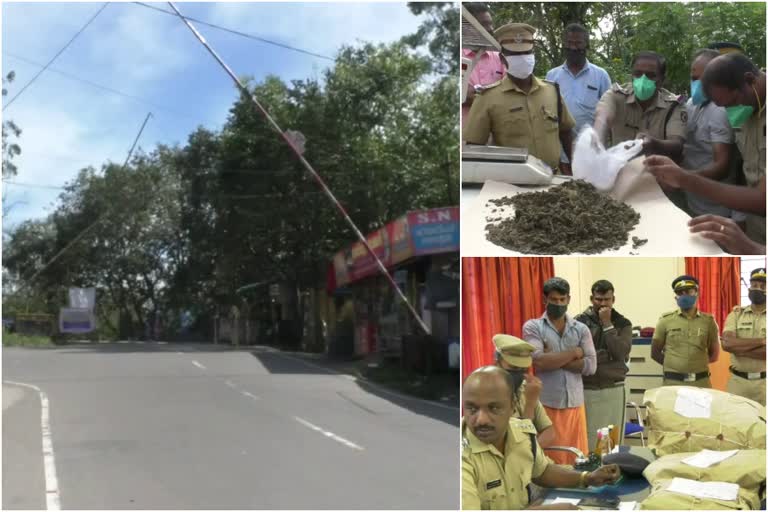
x=501, y=456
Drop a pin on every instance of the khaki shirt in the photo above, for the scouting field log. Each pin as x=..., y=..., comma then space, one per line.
x=750, y=139
x=540, y=419
x=491, y=480
x=519, y=119
x=629, y=118
x=746, y=323
x=686, y=341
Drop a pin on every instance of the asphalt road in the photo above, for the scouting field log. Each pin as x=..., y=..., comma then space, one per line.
x=192, y=427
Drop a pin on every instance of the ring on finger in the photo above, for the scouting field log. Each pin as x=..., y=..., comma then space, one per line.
x=722, y=227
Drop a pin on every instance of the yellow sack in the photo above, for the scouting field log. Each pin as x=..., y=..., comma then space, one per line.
x=662, y=499
x=745, y=468
x=734, y=422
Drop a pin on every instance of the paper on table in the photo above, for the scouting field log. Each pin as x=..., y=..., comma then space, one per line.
x=706, y=458
x=572, y=501
x=712, y=490
x=663, y=224
x=627, y=505
x=693, y=403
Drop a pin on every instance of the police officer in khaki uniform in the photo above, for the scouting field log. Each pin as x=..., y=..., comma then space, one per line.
x=744, y=338
x=514, y=355
x=521, y=110
x=686, y=340
x=643, y=109
x=734, y=82
x=500, y=455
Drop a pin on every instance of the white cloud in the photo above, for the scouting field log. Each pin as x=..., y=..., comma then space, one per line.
x=140, y=45
x=318, y=27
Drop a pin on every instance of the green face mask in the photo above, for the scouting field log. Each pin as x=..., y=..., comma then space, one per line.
x=644, y=87
x=738, y=114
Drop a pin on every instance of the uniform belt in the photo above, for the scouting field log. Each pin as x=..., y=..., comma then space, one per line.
x=686, y=377
x=748, y=375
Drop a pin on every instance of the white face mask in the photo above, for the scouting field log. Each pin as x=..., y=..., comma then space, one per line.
x=520, y=66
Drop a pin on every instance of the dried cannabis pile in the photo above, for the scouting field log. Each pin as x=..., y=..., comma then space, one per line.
x=568, y=218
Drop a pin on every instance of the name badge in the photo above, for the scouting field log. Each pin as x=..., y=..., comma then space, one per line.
x=493, y=485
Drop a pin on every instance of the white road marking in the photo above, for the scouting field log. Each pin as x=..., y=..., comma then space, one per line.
x=230, y=384
x=139, y=342
x=180, y=353
x=52, y=499
x=250, y=395
x=162, y=342
x=198, y=365
x=333, y=436
x=123, y=341
x=103, y=341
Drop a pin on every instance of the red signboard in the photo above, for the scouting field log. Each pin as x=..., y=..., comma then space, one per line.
x=416, y=233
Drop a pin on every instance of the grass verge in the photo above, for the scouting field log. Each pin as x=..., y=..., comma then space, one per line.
x=22, y=340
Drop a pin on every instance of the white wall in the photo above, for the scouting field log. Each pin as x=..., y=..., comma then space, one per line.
x=643, y=285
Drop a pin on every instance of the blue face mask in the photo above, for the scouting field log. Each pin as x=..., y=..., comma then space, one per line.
x=697, y=93
x=686, y=302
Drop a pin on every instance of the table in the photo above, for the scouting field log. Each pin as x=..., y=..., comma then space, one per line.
x=630, y=489
x=661, y=224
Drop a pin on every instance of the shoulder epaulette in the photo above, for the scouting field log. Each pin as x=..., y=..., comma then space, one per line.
x=523, y=425
x=616, y=87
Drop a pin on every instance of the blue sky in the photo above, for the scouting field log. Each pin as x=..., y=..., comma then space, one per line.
x=68, y=125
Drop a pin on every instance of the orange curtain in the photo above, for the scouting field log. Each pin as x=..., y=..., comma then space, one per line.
x=498, y=296
x=719, y=291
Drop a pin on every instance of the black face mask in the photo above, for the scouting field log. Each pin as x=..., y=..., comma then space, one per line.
x=575, y=57
x=757, y=297
x=556, y=310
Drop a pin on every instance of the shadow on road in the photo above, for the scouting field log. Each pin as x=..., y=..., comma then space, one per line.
x=300, y=363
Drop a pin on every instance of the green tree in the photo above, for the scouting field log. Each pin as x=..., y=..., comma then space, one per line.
x=621, y=29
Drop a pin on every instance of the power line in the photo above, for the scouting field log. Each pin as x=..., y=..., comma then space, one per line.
x=99, y=86
x=55, y=56
x=243, y=34
x=32, y=185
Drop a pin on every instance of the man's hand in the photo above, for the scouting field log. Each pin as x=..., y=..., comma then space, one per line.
x=725, y=232
x=650, y=144
x=547, y=348
x=664, y=170
x=578, y=352
x=532, y=388
x=604, y=475
x=565, y=169
x=605, y=315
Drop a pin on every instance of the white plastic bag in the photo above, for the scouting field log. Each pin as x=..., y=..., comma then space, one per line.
x=598, y=166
